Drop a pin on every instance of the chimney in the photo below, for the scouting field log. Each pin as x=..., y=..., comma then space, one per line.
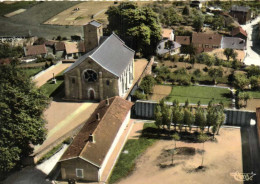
x=91, y=138
x=98, y=116
x=107, y=101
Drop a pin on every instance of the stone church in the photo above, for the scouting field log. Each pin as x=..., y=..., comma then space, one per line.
x=106, y=70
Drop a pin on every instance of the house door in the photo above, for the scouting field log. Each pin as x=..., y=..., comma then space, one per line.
x=91, y=94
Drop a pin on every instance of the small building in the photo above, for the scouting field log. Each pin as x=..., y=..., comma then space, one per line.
x=242, y=14
x=233, y=43
x=167, y=34
x=35, y=50
x=239, y=32
x=206, y=42
x=59, y=49
x=74, y=50
x=87, y=156
x=183, y=40
x=168, y=47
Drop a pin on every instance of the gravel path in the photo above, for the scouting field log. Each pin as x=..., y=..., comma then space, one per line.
x=251, y=56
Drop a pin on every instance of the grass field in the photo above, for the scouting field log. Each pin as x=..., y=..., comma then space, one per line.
x=198, y=93
x=8, y=8
x=126, y=162
x=51, y=89
x=255, y=94
x=32, y=71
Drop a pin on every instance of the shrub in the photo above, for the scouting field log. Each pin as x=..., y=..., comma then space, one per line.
x=205, y=69
x=138, y=95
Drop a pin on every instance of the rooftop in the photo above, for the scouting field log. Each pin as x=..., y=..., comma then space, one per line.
x=238, y=30
x=104, y=131
x=162, y=47
x=233, y=43
x=113, y=55
x=166, y=33
x=35, y=50
x=183, y=40
x=203, y=38
x=95, y=23
x=240, y=8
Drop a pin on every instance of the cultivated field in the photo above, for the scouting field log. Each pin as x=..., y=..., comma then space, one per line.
x=221, y=159
x=160, y=91
x=31, y=20
x=82, y=13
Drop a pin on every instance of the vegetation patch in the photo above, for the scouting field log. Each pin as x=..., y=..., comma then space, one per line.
x=199, y=93
x=126, y=162
x=7, y=8
x=32, y=71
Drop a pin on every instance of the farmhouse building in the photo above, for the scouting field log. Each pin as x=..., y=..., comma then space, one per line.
x=168, y=34
x=239, y=32
x=87, y=156
x=35, y=50
x=183, y=40
x=105, y=71
x=241, y=14
x=206, y=42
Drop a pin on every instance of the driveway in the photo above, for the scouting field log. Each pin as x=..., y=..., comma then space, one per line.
x=42, y=79
x=251, y=56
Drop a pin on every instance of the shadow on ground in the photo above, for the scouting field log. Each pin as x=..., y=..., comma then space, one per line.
x=250, y=153
x=255, y=38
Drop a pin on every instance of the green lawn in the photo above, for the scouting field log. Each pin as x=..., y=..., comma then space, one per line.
x=255, y=94
x=126, y=162
x=51, y=89
x=32, y=71
x=8, y=8
x=198, y=93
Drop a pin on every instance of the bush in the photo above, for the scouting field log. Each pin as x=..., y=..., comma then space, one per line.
x=205, y=69
x=138, y=95
x=147, y=84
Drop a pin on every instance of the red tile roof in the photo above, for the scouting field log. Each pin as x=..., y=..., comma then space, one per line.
x=183, y=40
x=34, y=50
x=203, y=38
x=59, y=46
x=238, y=30
x=74, y=47
x=166, y=33
x=103, y=130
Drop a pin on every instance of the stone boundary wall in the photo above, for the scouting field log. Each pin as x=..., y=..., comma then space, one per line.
x=42, y=72
x=145, y=109
x=258, y=124
x=147, y=70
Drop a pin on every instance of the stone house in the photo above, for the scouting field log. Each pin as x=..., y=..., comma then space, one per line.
x=87, y=156
x=74, y=50
x=206, y=42
x=35, y=50
x=241, y=14
x=168, y=47
x=105, y=71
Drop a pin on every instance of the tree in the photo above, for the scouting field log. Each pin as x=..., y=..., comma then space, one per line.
x=177, y=116
x=230, y=53
x=255, y=82
x=188, y=118
x=253, y=71
x=240, y=81
x=8, y=51
x=147, y=84
x=215, y=72
x=200, y=119
x=244, y=96
x=186, y=10
x=186, y=105
x=21, y=116
x=158, y=116
x=176, y=138
x=198, y=22
x=139, y=27
x=202, y=138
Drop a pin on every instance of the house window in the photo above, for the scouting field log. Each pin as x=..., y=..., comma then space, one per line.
x=79, y=173
x=90, y=75
x=108, y=82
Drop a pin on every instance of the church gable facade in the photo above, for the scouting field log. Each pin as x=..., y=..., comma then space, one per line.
x=106, y=71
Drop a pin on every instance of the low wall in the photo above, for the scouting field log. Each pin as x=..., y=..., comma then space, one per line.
x=145, y=110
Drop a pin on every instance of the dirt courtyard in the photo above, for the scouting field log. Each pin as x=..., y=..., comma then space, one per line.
x=160, y=91
x=221, y=158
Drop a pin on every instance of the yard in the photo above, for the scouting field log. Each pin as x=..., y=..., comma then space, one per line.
x=51, y=89
x=222, y=159
x=32, y=71
x=199, y=93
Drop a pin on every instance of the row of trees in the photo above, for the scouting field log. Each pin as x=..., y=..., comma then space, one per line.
x=186, y=116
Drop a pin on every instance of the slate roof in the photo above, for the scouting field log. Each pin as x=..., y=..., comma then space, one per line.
x=35, y=50
x=183, y=40
x=240, y=8
x=95, y=23
x=103, y=130
x=233, y=43
x=161, y=47
x=113, y=55
x=203, y=38
x=238, y=30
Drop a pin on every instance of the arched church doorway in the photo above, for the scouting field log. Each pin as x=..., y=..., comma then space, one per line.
x=91, y=94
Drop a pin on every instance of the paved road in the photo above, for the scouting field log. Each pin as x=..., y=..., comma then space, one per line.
x=251, y=56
